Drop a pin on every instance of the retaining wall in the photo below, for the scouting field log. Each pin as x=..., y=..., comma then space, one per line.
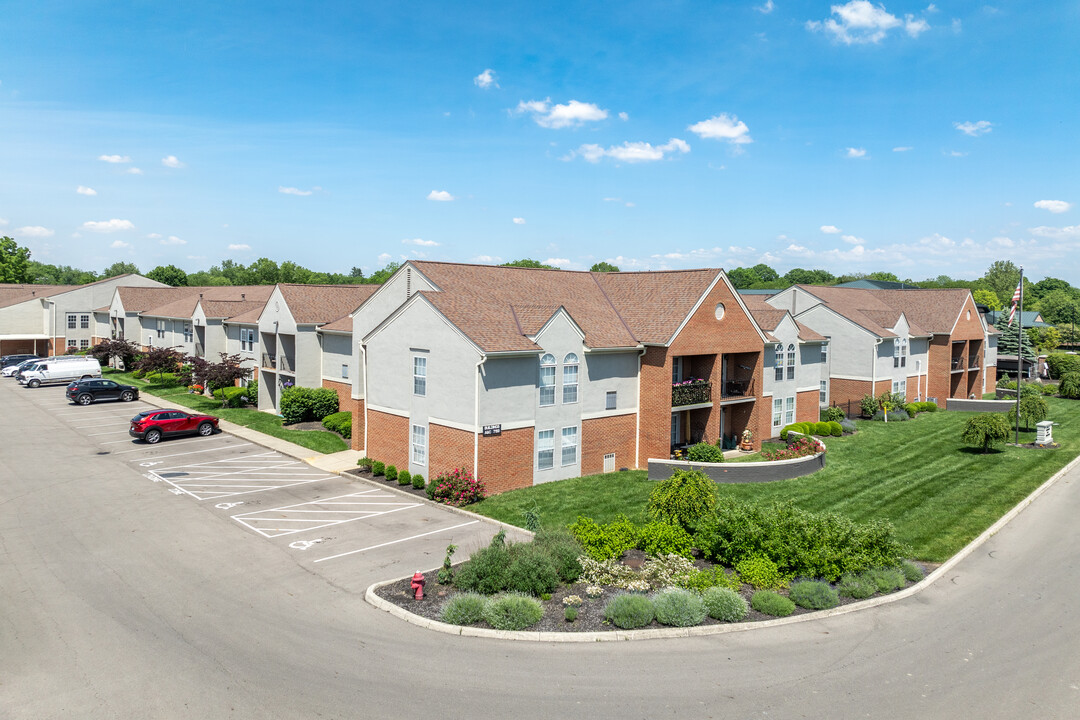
x=745, y=472
x=981, y=405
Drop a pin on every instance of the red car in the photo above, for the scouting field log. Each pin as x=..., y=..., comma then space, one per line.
x=153, y=425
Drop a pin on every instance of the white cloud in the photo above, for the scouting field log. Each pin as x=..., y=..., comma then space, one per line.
x=723, y=127
x=572, y=114
x=618, y=200
x=33, y=231
x=557, y=262
x=1003, y=242
x=384, y=258
x=1054, y=206
x=957, y=26
x=440, y=196
x=239, y=246
x=134, y=171
x=297, y=191
x=3, y=221
x=631, y=152
x=915, y=26
x=83, y=190
x=420, y=242
x=798, y=250
x=114, y=158
x=171, y=161
x=154, y=236
x=830, y=229
x=119, y=245
x=105, y=226
x=486, y=80
x=487, y=259
x=519, y=221
x=765, y=9
x=852, y=239
x=624, y=116
x=955, y=153
x=196, y=257
x=859, y=22
x=974, y=129
x=1072, y=232
x=173, y=240
x=856, y=152
x=903, y=148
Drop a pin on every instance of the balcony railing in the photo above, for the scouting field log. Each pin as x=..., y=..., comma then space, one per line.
x=285, y=363
x=738, y=388
x=198, y=350
x=973, y=362
x=268, y=360
x=691, y=393
x=958, y=362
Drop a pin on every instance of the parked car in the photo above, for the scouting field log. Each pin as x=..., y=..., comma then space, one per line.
x=89, y=391
x=153, y=425
x=7, y=360
x=62, y=370
x=13, y=370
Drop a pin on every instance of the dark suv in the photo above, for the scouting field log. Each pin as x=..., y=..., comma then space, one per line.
x=91, y=390
x=15, y=359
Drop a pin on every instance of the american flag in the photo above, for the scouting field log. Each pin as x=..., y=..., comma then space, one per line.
x=1015, y=301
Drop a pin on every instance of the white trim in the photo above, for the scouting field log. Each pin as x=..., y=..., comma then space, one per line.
x=550, y=320
x=417, y=297
x=695, y=406
x=608, y=413
x=837, y=376
x=452, y=424
x=387, y=410
x=339, y=380
x=808, y=389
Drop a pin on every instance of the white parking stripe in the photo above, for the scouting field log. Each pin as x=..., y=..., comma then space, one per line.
x=112, y=432
x=394, y=542
x=257, y=520
x=193, y=452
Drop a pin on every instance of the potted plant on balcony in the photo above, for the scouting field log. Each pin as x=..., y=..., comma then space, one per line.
x=747, y=440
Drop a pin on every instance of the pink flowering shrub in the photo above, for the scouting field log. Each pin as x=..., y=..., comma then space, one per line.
x=800, y=448
x=456, y=488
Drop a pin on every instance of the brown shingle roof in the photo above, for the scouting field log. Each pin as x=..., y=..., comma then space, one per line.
x=935, y=310
x=654, y=304
x=184, y=305
x=342, y=324
x=230, y=309
x=768, y=318
x=320, y=304
x=864, y=308
x=13, y=294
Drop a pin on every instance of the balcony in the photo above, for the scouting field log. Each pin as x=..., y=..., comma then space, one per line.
x=958, y=363
x=974, y=362
x=691, y=392
x=268, y=360
x=198, y=350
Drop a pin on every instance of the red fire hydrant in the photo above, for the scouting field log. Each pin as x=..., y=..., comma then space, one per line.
x=417, y=584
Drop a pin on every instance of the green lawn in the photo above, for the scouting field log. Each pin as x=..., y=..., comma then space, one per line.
x=938, y=493
x=318, y=440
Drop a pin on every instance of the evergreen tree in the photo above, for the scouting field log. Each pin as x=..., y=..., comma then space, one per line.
x=1010, y=339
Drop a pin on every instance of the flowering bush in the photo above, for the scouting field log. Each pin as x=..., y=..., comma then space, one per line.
x=572, y=600
x=594, y=591
x=689, y=381
x=800, y=448
x=456, y=488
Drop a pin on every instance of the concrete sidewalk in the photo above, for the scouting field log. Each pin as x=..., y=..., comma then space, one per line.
x=330, y=462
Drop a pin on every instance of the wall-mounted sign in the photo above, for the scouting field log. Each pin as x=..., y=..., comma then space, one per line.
x=492, y=430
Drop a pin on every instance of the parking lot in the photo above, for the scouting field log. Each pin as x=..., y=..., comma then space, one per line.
x=345, y=528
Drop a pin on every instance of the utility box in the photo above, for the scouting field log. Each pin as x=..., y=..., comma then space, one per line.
x=1044, y=432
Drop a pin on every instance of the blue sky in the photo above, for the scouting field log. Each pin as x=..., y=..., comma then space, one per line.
x=914, y=138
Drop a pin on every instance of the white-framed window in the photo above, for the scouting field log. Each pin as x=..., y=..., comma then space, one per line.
x=903, y=353
x=84, y=344
x=903, y=387
x=72, y=322
x=896, y=353
x=825, y=352
x=570, y=379
x=612, y=400
x=823, y=392
x=789, y=410
x=188, y=335
x=72, y=343
x=84, y=322
x=778, y=363
x=547, y=380
x=160, y=327
x=247, y=339
x=545, y=449
x=345, y=371
x=676, y=429
x=419, y=375
x=791, y=362
x=896, y=386
x=419, y=445
x=569, y=445
x=777, y=412
x=609, y=462
x=676, y=370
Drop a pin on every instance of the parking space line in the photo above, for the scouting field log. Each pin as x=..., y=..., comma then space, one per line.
x=193, y=452
x=111, y=432
x=394, y=542
x=255, y=520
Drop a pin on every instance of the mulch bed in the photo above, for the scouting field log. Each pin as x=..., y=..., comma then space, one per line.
x=391, y=483
x=590, y=614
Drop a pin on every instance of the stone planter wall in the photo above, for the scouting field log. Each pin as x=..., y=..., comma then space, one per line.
x=745, y=472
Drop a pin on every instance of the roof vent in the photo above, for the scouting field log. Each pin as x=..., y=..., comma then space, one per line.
x=200, y=296
x=408, y=282
x=243, y=296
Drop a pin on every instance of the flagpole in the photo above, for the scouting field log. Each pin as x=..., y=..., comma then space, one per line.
x=1019, y=352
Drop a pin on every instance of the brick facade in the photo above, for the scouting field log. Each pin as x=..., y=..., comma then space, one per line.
x=844, y=392
x=356, y=407
x=448, y=449
x=506, y=460
x=807, y=408
x=600, y=436
x=388, y=438
x=966, y=341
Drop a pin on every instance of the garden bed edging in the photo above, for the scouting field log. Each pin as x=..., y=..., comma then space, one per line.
x=745, y=472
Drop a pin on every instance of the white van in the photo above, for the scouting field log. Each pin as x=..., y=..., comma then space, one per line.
x=60, y=371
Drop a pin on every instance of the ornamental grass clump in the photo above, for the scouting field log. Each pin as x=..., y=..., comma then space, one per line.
x=564, y=551
x=912, y=572
x=629, y=611
x=813, y=595
x=886, y=579
x=725, y=605
x=464, y=609
x=769, y=603
x=512, y=611
x=856, y=586
x=457, y=488
x=486, y=570
x=677, y=607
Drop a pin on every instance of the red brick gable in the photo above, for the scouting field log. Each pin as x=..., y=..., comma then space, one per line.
x=703, y=334
x=968, y=328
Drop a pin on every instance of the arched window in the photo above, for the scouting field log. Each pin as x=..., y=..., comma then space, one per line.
x=778, y=363
x=570, y=379
x=903, y=353
x=547, y=380
x=791, y=362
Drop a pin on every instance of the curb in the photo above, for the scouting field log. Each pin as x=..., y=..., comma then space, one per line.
x=652, y=634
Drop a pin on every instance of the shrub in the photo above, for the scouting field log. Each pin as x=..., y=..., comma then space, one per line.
x=868, y=405
x=832, y=414
x=391, y=473
x=813, y=595
x=512, y=612
x=724, y=604
x=661, y=538
x=886, y=579
x=232, y=397
x=602, y=542
x=570, y=613
x=418, y=481
x=365, y=462
x=835, y=428
x=667, y=571
x=564, y=551
x=678, y=607
x=1061, y=364
x=251, y=391
x=532, y=570
x=822, y=429
x=486, y=571
x=716, y=576
x=1050, y=390
x=798, y=448
x=138, y=374
x=1033, y=409
x=464, y=609
x=704, y=452
x=761, y=572
x=300, y=404
x=856, y=585
x=848, y=426
x=629, y=611
x=378, y=469
x=911, y=409
x=912, y=572
x=985, y=430
x=611, y=573
x=683, y=499
x=404, y=478
x=456, y=488
x=894, y=400
x=339, y=422
x=1070, y=386
x=928, y=406
x=769, y=603
x=894, y=416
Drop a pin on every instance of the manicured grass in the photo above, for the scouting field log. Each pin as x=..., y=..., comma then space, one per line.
x=318, y=440
x=939, y=493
